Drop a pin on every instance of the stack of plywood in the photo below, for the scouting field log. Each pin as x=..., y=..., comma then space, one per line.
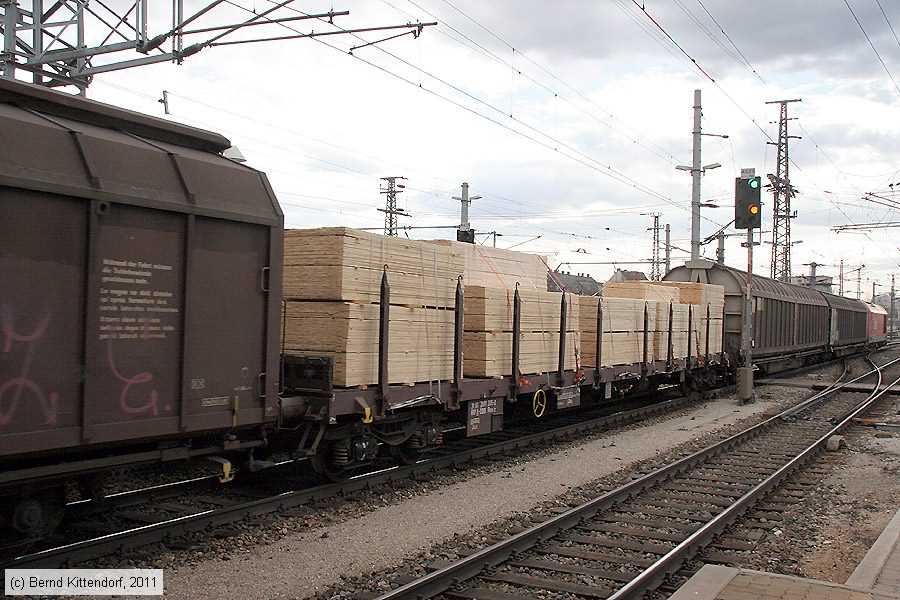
x=332, y=286
x=495, y=267
x=491, y=309
x=488, y=320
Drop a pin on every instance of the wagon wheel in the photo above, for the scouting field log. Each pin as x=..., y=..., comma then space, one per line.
x=40, y=513
x=405, y=454
x=322, y=464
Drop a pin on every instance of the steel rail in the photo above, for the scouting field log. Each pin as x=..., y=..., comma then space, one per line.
x=67, y=555
x=669, y=563
x=837, y=386
x=440, y=580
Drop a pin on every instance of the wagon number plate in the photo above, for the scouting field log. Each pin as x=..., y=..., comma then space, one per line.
x=568, y=397
x=484, y=416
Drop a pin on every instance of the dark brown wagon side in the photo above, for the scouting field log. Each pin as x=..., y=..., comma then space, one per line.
x=140, y=278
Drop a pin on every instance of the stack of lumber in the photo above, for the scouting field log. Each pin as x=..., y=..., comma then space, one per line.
x=698, y=293
x=338, y=263
x=488, y=326
x=641, y=290
x=332, y=287
x=487, y=354
x=491, y=309
x=623, y=321
x=420, y=344
x=623, y=327
x=495, y=267
x=703, y=295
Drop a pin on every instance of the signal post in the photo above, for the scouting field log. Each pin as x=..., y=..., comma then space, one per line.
x=747, y=215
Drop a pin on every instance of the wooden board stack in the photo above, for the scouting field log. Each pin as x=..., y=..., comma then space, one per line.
x=343, y=264
x=498, y=268
x=623, y=321
x=420, y=344
x=332, y=282
x=641, y=290
x=491, y=309
x=487, y=339
x=332, y=286
x=490, y=354
x=623, y=326
x=702, y=295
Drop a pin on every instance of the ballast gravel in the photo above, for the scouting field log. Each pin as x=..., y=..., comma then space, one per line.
x=302, y=564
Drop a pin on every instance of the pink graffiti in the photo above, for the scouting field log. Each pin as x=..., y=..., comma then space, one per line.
x=49, y=403
x=140, y=378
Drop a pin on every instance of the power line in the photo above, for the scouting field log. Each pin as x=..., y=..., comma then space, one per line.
x=886, y=70
x=886, y=20
x=585, y=159
x=728, y=37
x=671, y=39
x=668, y=155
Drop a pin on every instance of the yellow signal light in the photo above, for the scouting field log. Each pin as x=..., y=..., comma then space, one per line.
x=754, y=209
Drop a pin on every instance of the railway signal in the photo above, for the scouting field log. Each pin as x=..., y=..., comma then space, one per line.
x=747, y=208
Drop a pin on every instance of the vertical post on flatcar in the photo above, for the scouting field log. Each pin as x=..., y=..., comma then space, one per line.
x=645, y=364
x=383, y=335
x=708, y=319
x=458, y=323
x=670, y=351
x=599, y=345
x=516, y=343
x=689, y=361
x=560, y=376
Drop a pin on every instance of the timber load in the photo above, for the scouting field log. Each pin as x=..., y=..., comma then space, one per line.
x=333, y=289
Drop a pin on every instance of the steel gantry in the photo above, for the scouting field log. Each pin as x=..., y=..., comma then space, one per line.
x=67, y=42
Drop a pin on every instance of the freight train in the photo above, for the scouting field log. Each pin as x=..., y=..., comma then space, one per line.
x=140, y=320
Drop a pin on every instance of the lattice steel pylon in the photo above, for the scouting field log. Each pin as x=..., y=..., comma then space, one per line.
x=782, y=192
x=655, y=269
x=390, y=210
x=68, y=42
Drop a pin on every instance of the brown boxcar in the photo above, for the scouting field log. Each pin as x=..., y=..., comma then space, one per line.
x=140, y=278
x=849, y=321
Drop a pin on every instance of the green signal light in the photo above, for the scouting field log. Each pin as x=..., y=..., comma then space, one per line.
x=754, y=183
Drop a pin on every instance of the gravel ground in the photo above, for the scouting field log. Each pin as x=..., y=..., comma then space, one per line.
x=363, y=541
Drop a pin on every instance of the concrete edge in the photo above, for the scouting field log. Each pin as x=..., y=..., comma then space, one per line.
x=706, y=583
x=866, y=573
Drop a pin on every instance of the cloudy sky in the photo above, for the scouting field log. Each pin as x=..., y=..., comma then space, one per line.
x=568, y=118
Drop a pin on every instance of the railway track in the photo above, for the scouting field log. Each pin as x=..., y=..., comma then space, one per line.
x=167, y=512
x=628, y=541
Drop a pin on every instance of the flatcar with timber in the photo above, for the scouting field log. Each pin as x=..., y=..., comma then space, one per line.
x=140, y=297
x=792, y=325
